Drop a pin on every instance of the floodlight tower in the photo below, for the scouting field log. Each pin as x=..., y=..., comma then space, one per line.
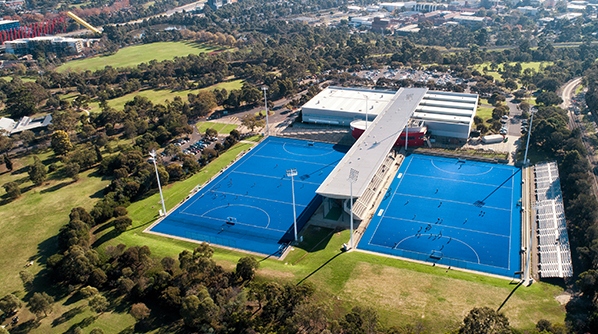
x=265, y=89
x=406, y=135
x=529, y=131
x=366, y=111
x=153, y=158
x=292, y=173
x=353, y=175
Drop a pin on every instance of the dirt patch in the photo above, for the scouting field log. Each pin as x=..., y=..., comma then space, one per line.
x=563, y=298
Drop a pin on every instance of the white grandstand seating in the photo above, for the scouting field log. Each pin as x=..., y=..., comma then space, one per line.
x=553, y=240
x=360, y=207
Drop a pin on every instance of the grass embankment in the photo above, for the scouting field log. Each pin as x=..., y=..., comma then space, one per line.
x=137, y=54
x=402, y=292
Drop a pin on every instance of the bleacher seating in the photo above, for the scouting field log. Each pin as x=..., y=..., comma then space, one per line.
x=553, y=240
x=363, y=203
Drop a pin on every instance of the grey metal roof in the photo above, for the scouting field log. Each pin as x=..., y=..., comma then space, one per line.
x=374, y=145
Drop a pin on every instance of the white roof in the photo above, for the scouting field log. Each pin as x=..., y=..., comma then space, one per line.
x=351, y=100
x=374, y=145
x=442, y=118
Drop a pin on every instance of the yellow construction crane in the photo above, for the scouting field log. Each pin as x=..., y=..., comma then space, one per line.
x=83, y=23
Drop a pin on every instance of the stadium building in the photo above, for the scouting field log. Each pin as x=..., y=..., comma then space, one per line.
x=437, y=113
x=9, y=24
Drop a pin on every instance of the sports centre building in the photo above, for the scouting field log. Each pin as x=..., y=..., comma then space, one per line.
x=444, y=114
x=443, y=211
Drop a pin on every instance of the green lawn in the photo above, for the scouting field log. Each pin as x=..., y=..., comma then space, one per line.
x=403, y=293
x=484, y=110
x=430, y=295
x=31, y=222
x=222, y=128
x=24, y=79
x=159, y=96
x=534, y=65
x=137, y=54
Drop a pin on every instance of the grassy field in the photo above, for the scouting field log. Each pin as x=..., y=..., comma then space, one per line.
x=159, y=96
x=28, y=232
x=24, y=79
x=222, y=128
x=484, y=110
x=137, y=54
x=402, y=292
x=534, y=65
x=430, y=295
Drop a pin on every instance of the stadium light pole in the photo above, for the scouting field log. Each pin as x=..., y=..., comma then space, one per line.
x=353, y=175
x=153, y=157
x=529, y=131
x=265, y=89
x=406, y=135
x=292, y=173
x=366, y=111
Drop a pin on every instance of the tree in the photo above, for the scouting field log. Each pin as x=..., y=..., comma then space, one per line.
x=121, y=224
x=12, y=190
x=9, y=303
x=41, y=302
x=251, y=122
x=98, y=303
x=246, y=267
x=71, y=170
x=5, y=141
x=88, y=291
x=37, y=172
x=484, y=320
x=27, y=137
x=549, y=99
x=139, y=311
x=360, y=321
x=211, y=132
x=61, y=143
x=7, y=162
x=198, y=310
x=26, y=278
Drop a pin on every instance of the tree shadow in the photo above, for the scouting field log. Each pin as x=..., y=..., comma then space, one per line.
x=21, y=170
x=75, y=297
x=103, y=227
x=25, y=327
x=318, y=269
x=98, y=194
x=83, y=323
x=104, y=238
x=68, y=315
x=57, y=187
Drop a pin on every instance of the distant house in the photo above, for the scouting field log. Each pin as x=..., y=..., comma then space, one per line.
x=11, y=127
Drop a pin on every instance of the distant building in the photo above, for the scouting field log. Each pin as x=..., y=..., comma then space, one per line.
x=14, y=4
x=215, y=4
x=380, y=24
x=58, y=45
x=11, y=127
x=407, y=30
x=9, y=24
x=472, y=21
x=528, y=10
